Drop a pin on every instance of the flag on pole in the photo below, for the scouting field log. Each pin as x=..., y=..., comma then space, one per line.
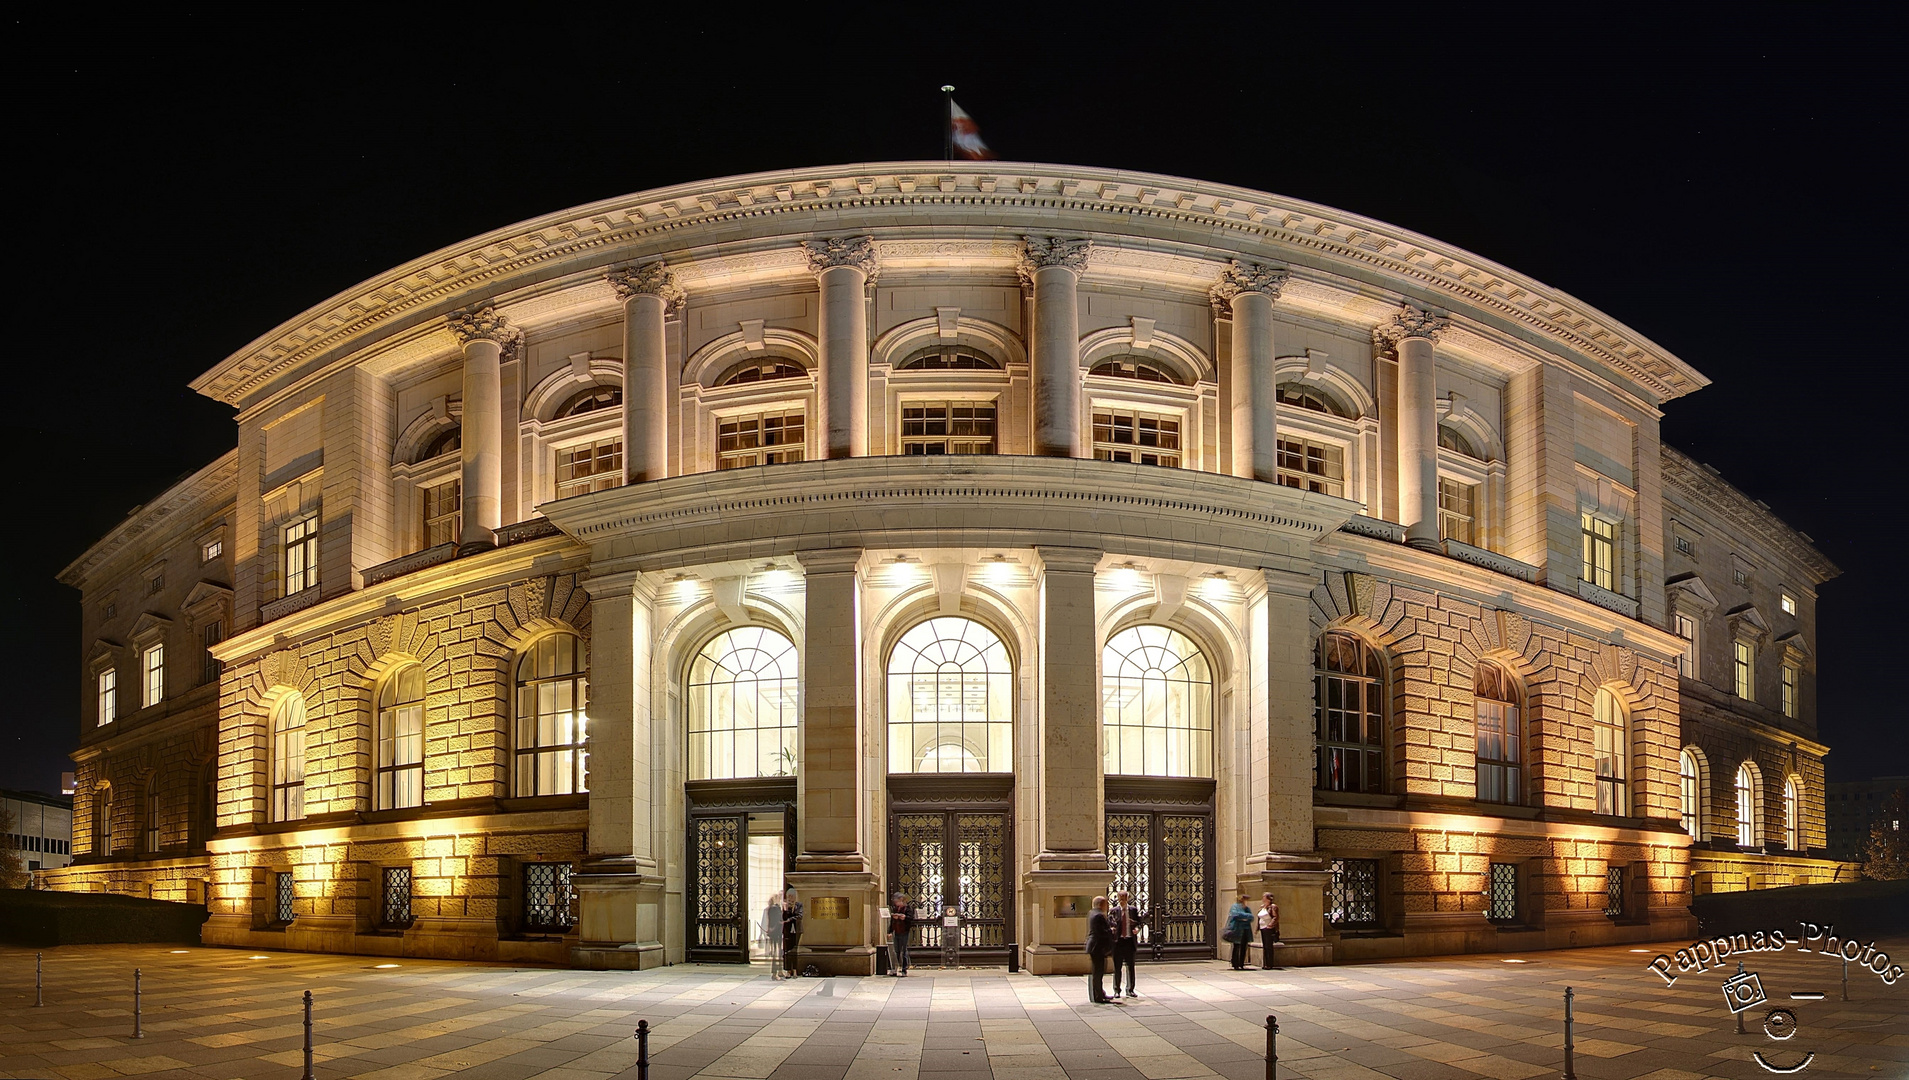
x=965, y=136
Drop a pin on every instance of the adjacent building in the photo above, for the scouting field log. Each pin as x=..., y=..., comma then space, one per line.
x=42, y=828
x=1854, y=806
x=1001, y=536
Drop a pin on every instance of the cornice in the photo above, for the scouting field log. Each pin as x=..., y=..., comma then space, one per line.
x=1718, y=496
x=1234, y=221
x=217, y=481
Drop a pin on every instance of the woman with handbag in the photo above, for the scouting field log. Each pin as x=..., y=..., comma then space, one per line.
x=1239, y=930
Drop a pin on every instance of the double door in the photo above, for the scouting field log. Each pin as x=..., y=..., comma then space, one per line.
x=1160, y=851
x=740, y=848
x=951, y=846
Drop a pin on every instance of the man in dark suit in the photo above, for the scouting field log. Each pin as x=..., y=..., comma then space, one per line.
x=1100, y=945
x=1126, y=921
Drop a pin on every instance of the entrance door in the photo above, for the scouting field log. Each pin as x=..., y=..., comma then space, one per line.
x=952, y=852
x=1160, y=849
x=740, y=848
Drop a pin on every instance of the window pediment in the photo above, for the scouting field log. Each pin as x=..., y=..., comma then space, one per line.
x=1794, y=647
x=1691, y=589
x=149, y=626
x=1746, y=621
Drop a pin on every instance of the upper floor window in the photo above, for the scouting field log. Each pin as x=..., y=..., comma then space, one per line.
x=1610, y=753
x=948, y=427
x=1156, y=693
x=1450, y=438
x=592, y=466
x=398, y=780
x=448, y=441
x=1792, y=816
x=1746, y=805
x=1301, y=396
x=288, y=759
x=153, y=808
x=1790, y=676
x=590, y=399
x=947, y=358
x=1689, y=795
x=1133, y=367
x=742, y=706
x=1137, y=435
x=765, y=438
x=1686, y=628
x=1500, y=758
x=762, y=371
x=1600, y=550
x=551, y=726
x=211, y=550
x=213, y=633
x=108, y=696
x=103, y=821
x=1311, y=466
x=155, y=664
x=1457, y=510
x=1740, y=577
x=950, y=700
x=443, y=513
x=1683, y=545
x=1349, y=714
x=301, y=555
x=1743, y=665
x=1787, y=603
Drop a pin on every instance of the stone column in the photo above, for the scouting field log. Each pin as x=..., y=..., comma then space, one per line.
x=843, y=268
x=649, y=294
x=486, y=335
x=1248, y=291
x=1072, y=860
x=830, y=864
x=1412, y=333
x=620, y=886
x=1051, y=269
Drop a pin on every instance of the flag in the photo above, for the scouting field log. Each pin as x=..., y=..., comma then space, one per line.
x=966, y=136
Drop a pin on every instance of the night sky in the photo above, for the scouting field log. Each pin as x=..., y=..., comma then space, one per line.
x=1733, y=192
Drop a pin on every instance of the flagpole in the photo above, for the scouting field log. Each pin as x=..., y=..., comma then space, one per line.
x=947, y=124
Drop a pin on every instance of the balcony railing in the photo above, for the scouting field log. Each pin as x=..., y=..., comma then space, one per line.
x=1607, y=599
x=1491, y=560
x=285, y=605
x=405, y=564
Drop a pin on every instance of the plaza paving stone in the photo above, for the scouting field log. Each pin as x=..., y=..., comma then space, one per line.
x=230, y=1014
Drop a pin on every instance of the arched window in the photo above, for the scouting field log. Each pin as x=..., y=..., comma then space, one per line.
x=1690, y=795
x=398, y=780
x=551, y=726
x=1450, y=438
x=1610, y=752
x=1349, y=715
x=590, y=399
x=448, y=441
x=1746, y=805
x=152, y=816
x=762, y=371
x=1313, y=399
x=1134, y=367
x=103, y=821
x=1792, y=816
x=950, y=707
x=742, y=706
x=1156, y=693
x=1499, y=726
x=288, y=759
x=947, y=358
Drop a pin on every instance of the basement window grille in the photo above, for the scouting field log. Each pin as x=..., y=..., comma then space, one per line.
x=397, y=895
x=1614, y=890
x=547, y=896
x=1355, y=893
x=284, y=910
x=1502, y=898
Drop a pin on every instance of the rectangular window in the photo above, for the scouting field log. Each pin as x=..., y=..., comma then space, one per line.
x=155, y=664
x=108, y=696
x=211, y=550
x=1608, y=754
x=1457, y=505
x=1137, y=436
x=1741, y=577
x=1501, y=893
x=214, y=633
x=1683, y=545
x=156, y=586
x=1789, y=690
x=596, y=466
x=443, y=517
x=1354, y=899
x=771, y=438
x=1743, y=663
x=301, y=556
x=1686, y=628
x=284, y=909
x=152, y=821
x=396, y=910
x=548, y=896
x=1311, y=466
x=947, y=427
x=1614, y=891
x=1788, y=603
x=1498, y=752
x=1600, y=551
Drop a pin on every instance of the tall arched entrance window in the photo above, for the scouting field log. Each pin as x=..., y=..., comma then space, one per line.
x=1498, y=730
x=950, y=731
x=288, y=759
x=398, y=779
x=1747, y=795
x=552, y=728
x=1690, y=795
x=1156, y=692
x=1792, y=816
x=741, y=699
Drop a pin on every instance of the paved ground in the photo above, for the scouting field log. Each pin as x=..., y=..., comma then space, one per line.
x=224, y=1013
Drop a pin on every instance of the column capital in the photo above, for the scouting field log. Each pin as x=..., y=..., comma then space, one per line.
x=830, y=560
x=1068, y=560
x=1409, y=322
x=654, y=279
x=1242, y=277
x=854, y=251
x=484, y=324
x=1040, y=252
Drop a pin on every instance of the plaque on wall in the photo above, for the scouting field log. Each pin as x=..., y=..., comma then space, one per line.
x=1073, y=907
x=828, y=907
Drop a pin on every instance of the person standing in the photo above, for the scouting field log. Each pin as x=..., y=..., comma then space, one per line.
x=1126, y=926
x=791, y=928
x=901, y=926
x=772, y=934
x=1239, y=930
x=1100, y=945
x=1268, y=919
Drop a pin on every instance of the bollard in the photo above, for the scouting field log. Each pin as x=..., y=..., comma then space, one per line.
x=1272, y=1047
x=137, y=1034
x=1845, y=979
x=39, y=1002
x=1570, y=1048
x=642, y=1050
x=308, y=1038
x=1740, y=1030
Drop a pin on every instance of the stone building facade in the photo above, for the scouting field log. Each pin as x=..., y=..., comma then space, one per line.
x=997, y=536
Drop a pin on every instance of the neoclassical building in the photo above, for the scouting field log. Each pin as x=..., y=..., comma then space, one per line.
x=998, y=535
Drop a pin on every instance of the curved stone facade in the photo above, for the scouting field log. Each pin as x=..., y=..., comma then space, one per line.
x=999, y=536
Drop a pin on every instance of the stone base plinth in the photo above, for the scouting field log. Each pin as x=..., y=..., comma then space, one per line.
x=1055, y=919
x=621, y=919
x=839, y=931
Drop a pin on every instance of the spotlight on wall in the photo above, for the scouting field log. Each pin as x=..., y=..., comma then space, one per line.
x=772, y=577
x=686, y=586
x=901, y=571
x=1127, y=575
x=1217, y=586
x=1000, y=570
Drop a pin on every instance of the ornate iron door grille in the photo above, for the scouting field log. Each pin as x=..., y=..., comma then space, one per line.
x=397, y=896
x=1160, y=849
x=1130, y=856
x=548, y=896
x=719, y=885
x=951, y=845
x=920, y=872
x=718, y=923
x=1183, y=911
x=1354, y=901
x=981, y=892
x=1502, y=900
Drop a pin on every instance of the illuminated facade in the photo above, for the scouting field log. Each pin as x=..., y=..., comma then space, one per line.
x=1001, y=536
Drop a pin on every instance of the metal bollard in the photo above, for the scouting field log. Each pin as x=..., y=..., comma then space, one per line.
x=642, y=1050
x=1740, y=1030
x=1272, y=1047
x=39, y=1002
x=1845, y=980
x=1570, y=1048
x=308, y=1038
x=137, y=1034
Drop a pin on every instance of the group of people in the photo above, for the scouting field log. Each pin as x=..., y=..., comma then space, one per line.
x=1240, y=923
x=782, y=932
x=1113, y=932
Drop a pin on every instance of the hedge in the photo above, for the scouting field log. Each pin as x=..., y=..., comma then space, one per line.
x=40, y=919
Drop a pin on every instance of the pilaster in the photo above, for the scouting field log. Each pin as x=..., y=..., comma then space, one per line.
x=485, y=335
x=649, y=293
x=843, y=268
x=1050, y=268
x=1248, y=291
x=1411, y=334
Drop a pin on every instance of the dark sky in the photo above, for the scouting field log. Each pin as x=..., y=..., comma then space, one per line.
x=1732, y=191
